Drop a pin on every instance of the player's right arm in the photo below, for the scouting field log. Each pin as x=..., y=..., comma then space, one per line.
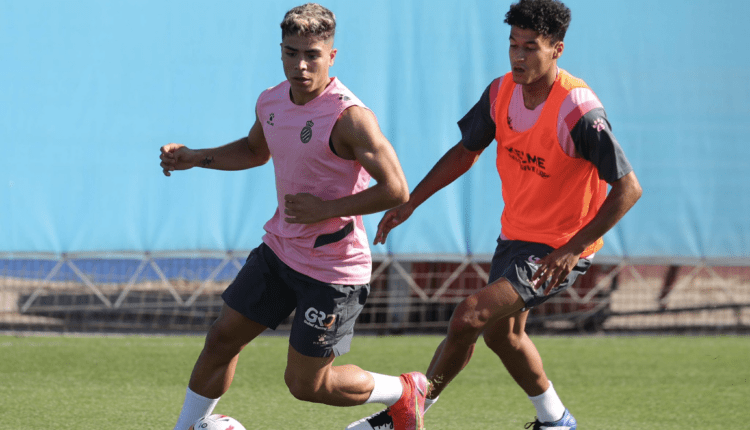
x=477, y=131
x=457, y=161
x=245, y=153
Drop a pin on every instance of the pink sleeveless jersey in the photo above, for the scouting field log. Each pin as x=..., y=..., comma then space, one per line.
x=336, y=250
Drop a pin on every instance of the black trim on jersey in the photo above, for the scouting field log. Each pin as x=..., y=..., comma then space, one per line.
x=595, y=142
x=325, y=239
x=592, y=136
x=330, y=143
x=477, y=126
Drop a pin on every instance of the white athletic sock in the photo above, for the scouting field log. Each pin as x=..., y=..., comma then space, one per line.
x=388, y=389
x=549, y=407
x=194, y=408
x=429, y=402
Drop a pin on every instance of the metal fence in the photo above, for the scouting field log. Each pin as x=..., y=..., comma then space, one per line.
x=180, y=292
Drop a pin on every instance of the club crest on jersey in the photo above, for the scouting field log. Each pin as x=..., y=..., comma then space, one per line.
x=306, y=133
x=270, y=119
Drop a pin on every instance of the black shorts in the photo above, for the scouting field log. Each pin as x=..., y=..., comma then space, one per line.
x=515, y=261
x=266, y=291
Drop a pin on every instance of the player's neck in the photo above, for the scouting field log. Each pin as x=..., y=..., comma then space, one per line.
x=535, y=93
x=303, y=97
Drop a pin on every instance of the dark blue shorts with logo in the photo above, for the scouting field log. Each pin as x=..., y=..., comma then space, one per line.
x=267, y=291
x=515, y=260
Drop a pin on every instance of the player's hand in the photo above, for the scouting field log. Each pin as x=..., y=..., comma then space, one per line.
x=175, y=156
x=391, y=219
x=304, y=208
x=555, y=267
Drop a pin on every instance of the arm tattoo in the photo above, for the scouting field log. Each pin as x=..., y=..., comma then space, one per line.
x=206, y=161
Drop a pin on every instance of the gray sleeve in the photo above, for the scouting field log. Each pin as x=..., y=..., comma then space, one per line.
x=477, y=126
x=594, y=140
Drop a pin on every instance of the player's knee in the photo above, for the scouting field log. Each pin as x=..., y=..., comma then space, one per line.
x=300, y=390
x=296, y=389
x=503, y=340
x=467, y=321
x=221, y=342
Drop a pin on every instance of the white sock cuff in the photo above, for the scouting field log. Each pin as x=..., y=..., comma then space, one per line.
x=194, y=408
x=550, y=390
x=549, y=407
x=387, y=390
x=192, y=395
x=429, y=402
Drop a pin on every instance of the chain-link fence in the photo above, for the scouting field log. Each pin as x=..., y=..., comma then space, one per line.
x=180, y=292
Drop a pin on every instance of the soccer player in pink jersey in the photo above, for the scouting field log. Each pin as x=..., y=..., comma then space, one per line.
x=555, y=155
x=315, y=258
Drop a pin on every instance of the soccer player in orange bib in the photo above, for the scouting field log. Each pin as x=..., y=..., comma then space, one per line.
x=555, y=155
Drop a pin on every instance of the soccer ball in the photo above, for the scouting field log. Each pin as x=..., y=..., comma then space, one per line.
x=217, y=422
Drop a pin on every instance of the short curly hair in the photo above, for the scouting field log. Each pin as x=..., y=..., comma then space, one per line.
x=310, y=19
x=550, y=18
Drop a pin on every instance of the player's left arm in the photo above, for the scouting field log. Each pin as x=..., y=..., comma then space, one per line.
x=557, y=265
x=356, y=136
x=599, y=146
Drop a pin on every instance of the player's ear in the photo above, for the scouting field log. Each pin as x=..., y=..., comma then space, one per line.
x=558, y=49
x=334, y=51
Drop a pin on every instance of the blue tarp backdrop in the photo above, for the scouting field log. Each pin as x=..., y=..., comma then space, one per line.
x=91, y=89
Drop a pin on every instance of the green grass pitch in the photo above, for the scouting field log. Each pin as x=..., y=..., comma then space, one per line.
x=133, y=382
